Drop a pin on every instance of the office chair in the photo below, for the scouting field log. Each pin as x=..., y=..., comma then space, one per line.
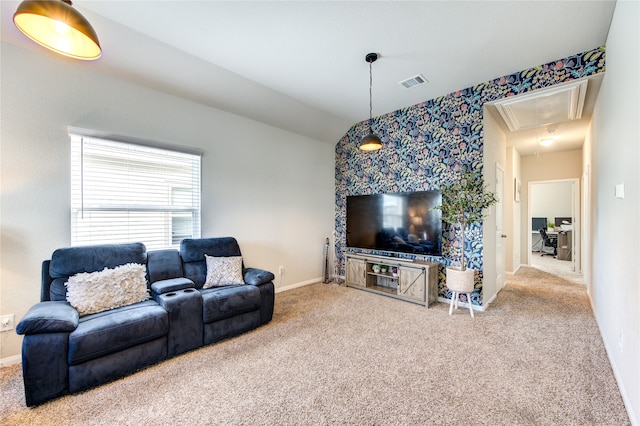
x=547, y=241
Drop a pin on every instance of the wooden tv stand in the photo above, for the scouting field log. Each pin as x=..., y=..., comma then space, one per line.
x=415, y=281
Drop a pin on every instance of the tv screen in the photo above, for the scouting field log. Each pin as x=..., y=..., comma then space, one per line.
x=402, y=222
x=559, y=221
x=538, y=223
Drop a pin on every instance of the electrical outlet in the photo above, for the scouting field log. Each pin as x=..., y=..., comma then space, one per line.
x=281, y=270
x=7, y=322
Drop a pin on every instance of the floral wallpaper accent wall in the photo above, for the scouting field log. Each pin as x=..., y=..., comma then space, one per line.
x=425, y=145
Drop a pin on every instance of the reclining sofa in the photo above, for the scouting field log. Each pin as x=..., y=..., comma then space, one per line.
x=66, y=351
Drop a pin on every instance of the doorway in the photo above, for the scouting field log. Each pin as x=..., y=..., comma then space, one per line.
x=556, y=203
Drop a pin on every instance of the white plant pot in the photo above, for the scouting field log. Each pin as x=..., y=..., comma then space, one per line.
x=460, y=281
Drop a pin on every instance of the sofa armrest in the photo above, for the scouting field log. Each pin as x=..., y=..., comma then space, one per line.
x=49, y=317
x=256, y=276
x=173, y=284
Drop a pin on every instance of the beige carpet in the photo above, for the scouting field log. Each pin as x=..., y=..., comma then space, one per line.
x=561, y=268
x=336, y=355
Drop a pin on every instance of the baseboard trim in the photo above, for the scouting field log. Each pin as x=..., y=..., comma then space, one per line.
x=512, y=273
x=10, y=360
x=485, y=304
x=616, y=373
x=300, y=284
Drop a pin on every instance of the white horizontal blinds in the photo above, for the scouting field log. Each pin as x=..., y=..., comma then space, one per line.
x=124, y=192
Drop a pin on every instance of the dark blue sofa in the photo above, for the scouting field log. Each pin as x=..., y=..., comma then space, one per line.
x=64, y=353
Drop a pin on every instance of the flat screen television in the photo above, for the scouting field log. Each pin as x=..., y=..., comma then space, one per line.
x=402, y=222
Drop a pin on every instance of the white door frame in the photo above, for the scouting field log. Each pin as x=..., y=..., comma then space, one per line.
x=499, y=230
x=575, y=215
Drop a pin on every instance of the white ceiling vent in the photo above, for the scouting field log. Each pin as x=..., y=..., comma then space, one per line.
x=413, y=81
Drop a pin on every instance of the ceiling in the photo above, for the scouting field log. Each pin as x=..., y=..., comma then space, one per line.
x=300, y=65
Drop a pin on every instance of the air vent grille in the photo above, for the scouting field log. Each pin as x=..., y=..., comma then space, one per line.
x=414, y=81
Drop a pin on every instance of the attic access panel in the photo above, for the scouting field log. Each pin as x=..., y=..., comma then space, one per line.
x=556, y=104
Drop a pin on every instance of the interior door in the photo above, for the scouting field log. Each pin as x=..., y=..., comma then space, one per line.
x=499, y=228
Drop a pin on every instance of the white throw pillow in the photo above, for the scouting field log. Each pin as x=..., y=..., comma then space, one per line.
x=95, y=292
x=223, y=271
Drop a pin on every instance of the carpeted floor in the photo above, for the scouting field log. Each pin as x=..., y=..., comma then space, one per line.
x=561, y=268
x=336, y=355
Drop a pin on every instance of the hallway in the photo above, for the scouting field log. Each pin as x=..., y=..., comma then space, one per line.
x=560, y=268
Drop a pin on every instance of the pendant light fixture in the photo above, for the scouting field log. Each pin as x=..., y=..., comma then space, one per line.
x=370, y=142
x=56, y=25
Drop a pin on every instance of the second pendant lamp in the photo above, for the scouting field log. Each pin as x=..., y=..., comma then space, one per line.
x=370, y=142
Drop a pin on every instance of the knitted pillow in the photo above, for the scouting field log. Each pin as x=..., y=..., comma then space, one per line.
x=223, y=271
x=95, y=292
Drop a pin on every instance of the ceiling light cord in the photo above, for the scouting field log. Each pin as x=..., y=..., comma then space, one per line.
x=370, y=142
x=370, y=98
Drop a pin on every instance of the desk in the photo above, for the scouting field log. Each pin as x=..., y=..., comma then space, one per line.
x=565, y=245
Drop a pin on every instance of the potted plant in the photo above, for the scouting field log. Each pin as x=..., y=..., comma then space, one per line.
x=464, y=203
x=550, y=226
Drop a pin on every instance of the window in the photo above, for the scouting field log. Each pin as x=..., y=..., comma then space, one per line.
x=129, y=192
x=393, y=208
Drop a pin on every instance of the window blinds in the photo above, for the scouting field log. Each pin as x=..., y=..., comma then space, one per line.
x=128, y=192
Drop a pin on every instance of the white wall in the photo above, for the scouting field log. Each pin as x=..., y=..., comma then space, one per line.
x=551, y=200
x=612, y=158
x=271, y=189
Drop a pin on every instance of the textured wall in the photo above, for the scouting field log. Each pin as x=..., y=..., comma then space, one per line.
x=425, y=145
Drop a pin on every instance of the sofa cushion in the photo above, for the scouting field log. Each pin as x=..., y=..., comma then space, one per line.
x=223, y=271
x=111, y=331
x=257, y=276
x=224, y=302
x=173, y=284
x=66, y=262
x=164, y=265
x=192, y=251
x=95, y=292
x=48, y=317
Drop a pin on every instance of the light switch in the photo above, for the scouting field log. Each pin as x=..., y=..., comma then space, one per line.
x=620, y=190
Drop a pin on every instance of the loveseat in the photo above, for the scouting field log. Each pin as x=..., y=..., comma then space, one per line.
x=158, y=304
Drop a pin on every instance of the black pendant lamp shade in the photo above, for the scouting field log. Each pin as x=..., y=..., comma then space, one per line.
x=370, y=142
x=56, y=25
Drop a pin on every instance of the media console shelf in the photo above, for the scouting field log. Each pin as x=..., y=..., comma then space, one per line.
x=413, y=281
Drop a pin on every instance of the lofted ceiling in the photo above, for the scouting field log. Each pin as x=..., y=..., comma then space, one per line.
x=300, y=65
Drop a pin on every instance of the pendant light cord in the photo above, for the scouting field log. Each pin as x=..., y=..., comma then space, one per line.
x=370, y=98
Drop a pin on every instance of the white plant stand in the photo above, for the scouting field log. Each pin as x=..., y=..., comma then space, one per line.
x=460, y=282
